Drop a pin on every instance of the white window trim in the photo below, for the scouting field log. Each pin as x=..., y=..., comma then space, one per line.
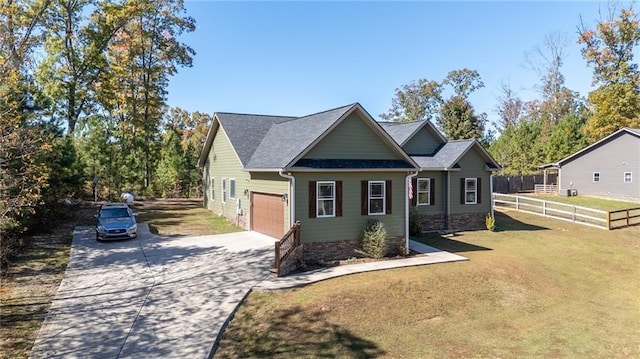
x=383, y=197
x=475, y=192
x=213, y=188
x=594, y=177
x=232, y=195
x=223, y=185
x=428, y=191
x=318, y=199
x=624, y=177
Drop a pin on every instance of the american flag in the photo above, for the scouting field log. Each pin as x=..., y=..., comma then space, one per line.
x=410, y=186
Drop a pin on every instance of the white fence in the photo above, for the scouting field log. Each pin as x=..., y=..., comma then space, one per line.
x=561, y=211
x=545, y=189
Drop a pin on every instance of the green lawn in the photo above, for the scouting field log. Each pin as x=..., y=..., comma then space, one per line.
x=181, y=217
x=604, y=204
x=535, y=288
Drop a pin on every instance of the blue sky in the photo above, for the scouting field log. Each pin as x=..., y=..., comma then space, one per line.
x=298, y=58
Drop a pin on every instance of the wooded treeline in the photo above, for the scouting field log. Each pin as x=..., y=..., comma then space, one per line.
x=556, y=123
x=83, y=87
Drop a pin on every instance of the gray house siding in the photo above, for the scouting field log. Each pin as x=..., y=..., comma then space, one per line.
x=223, y=163
x=351, y=139
x=351, y=223
x=611, y=160
x=472, y=165
x=422, y=143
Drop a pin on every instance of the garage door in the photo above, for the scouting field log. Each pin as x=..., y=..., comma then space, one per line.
x=267, y=214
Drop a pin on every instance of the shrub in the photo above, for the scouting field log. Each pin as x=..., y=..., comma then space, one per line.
x=490, y=222
x=374, y=239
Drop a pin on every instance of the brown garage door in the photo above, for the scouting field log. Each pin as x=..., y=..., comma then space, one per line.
x=267, y=214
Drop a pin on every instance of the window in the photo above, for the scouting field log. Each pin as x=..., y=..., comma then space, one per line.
x=224, y=190
x=213, y=188
x=326, y=199
x=470, y=190
x=424, y=191
x=232, y=188
x=376, y=197
x=627, y=177
x=596, y=176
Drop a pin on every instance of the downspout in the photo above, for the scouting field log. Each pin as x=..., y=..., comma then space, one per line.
x=292, y=196
x=491, y=194
x=446, y=217
x=406, y=208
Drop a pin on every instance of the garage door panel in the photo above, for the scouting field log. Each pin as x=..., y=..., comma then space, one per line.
x=267, y=214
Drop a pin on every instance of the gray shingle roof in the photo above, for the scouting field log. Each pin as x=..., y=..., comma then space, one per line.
x=287, y=139
x=247, y=131
x=401, y=132
x=446, y=156
x=351, y=163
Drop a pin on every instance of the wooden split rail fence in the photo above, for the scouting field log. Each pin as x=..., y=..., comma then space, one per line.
x=567, y=212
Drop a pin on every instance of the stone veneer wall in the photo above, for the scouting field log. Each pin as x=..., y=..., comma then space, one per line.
x=467, y=221
x=463, y=221
x=338, y=250
x=433, y=222
x=291, y=262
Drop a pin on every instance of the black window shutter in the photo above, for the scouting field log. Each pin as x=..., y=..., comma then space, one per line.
x=364, y=194
x=414, y=191
x=388, y=191
x=479, y=187
x=338, y=198
x=312, y=199
x=461, y=190
x=432, y=191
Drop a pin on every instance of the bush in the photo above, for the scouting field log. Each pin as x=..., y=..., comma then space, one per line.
x=490, y=222
x=374, y=239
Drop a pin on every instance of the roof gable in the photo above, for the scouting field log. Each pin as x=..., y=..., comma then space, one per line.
x=352, y=138
x=450, y=153
x=632, y=131
x=403, y=133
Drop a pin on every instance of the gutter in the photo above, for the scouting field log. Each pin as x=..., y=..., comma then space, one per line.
x=406, y=207
x=292, y=196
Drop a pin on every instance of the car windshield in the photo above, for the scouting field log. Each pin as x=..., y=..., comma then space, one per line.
x=114, y=213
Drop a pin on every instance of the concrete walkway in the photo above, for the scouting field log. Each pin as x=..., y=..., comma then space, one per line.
x=157, y=297
x=429, y=255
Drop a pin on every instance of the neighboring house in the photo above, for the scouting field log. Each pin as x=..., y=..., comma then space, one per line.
x=453, y=187
x=335, y=170
x=609, y=167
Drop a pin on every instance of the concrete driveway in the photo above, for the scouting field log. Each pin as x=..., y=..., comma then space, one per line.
x=150, y=297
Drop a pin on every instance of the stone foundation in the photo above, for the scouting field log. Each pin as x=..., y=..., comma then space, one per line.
x=339, y=250
x=433, y=222
x=467, y=221
x=462, y=221
x=291, y=263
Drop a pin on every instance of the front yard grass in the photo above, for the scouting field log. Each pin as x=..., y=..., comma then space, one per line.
x=181, y=217
x=604, y=204
x=535, y=288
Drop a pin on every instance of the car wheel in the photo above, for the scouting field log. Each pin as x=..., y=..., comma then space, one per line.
x=98, y=238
